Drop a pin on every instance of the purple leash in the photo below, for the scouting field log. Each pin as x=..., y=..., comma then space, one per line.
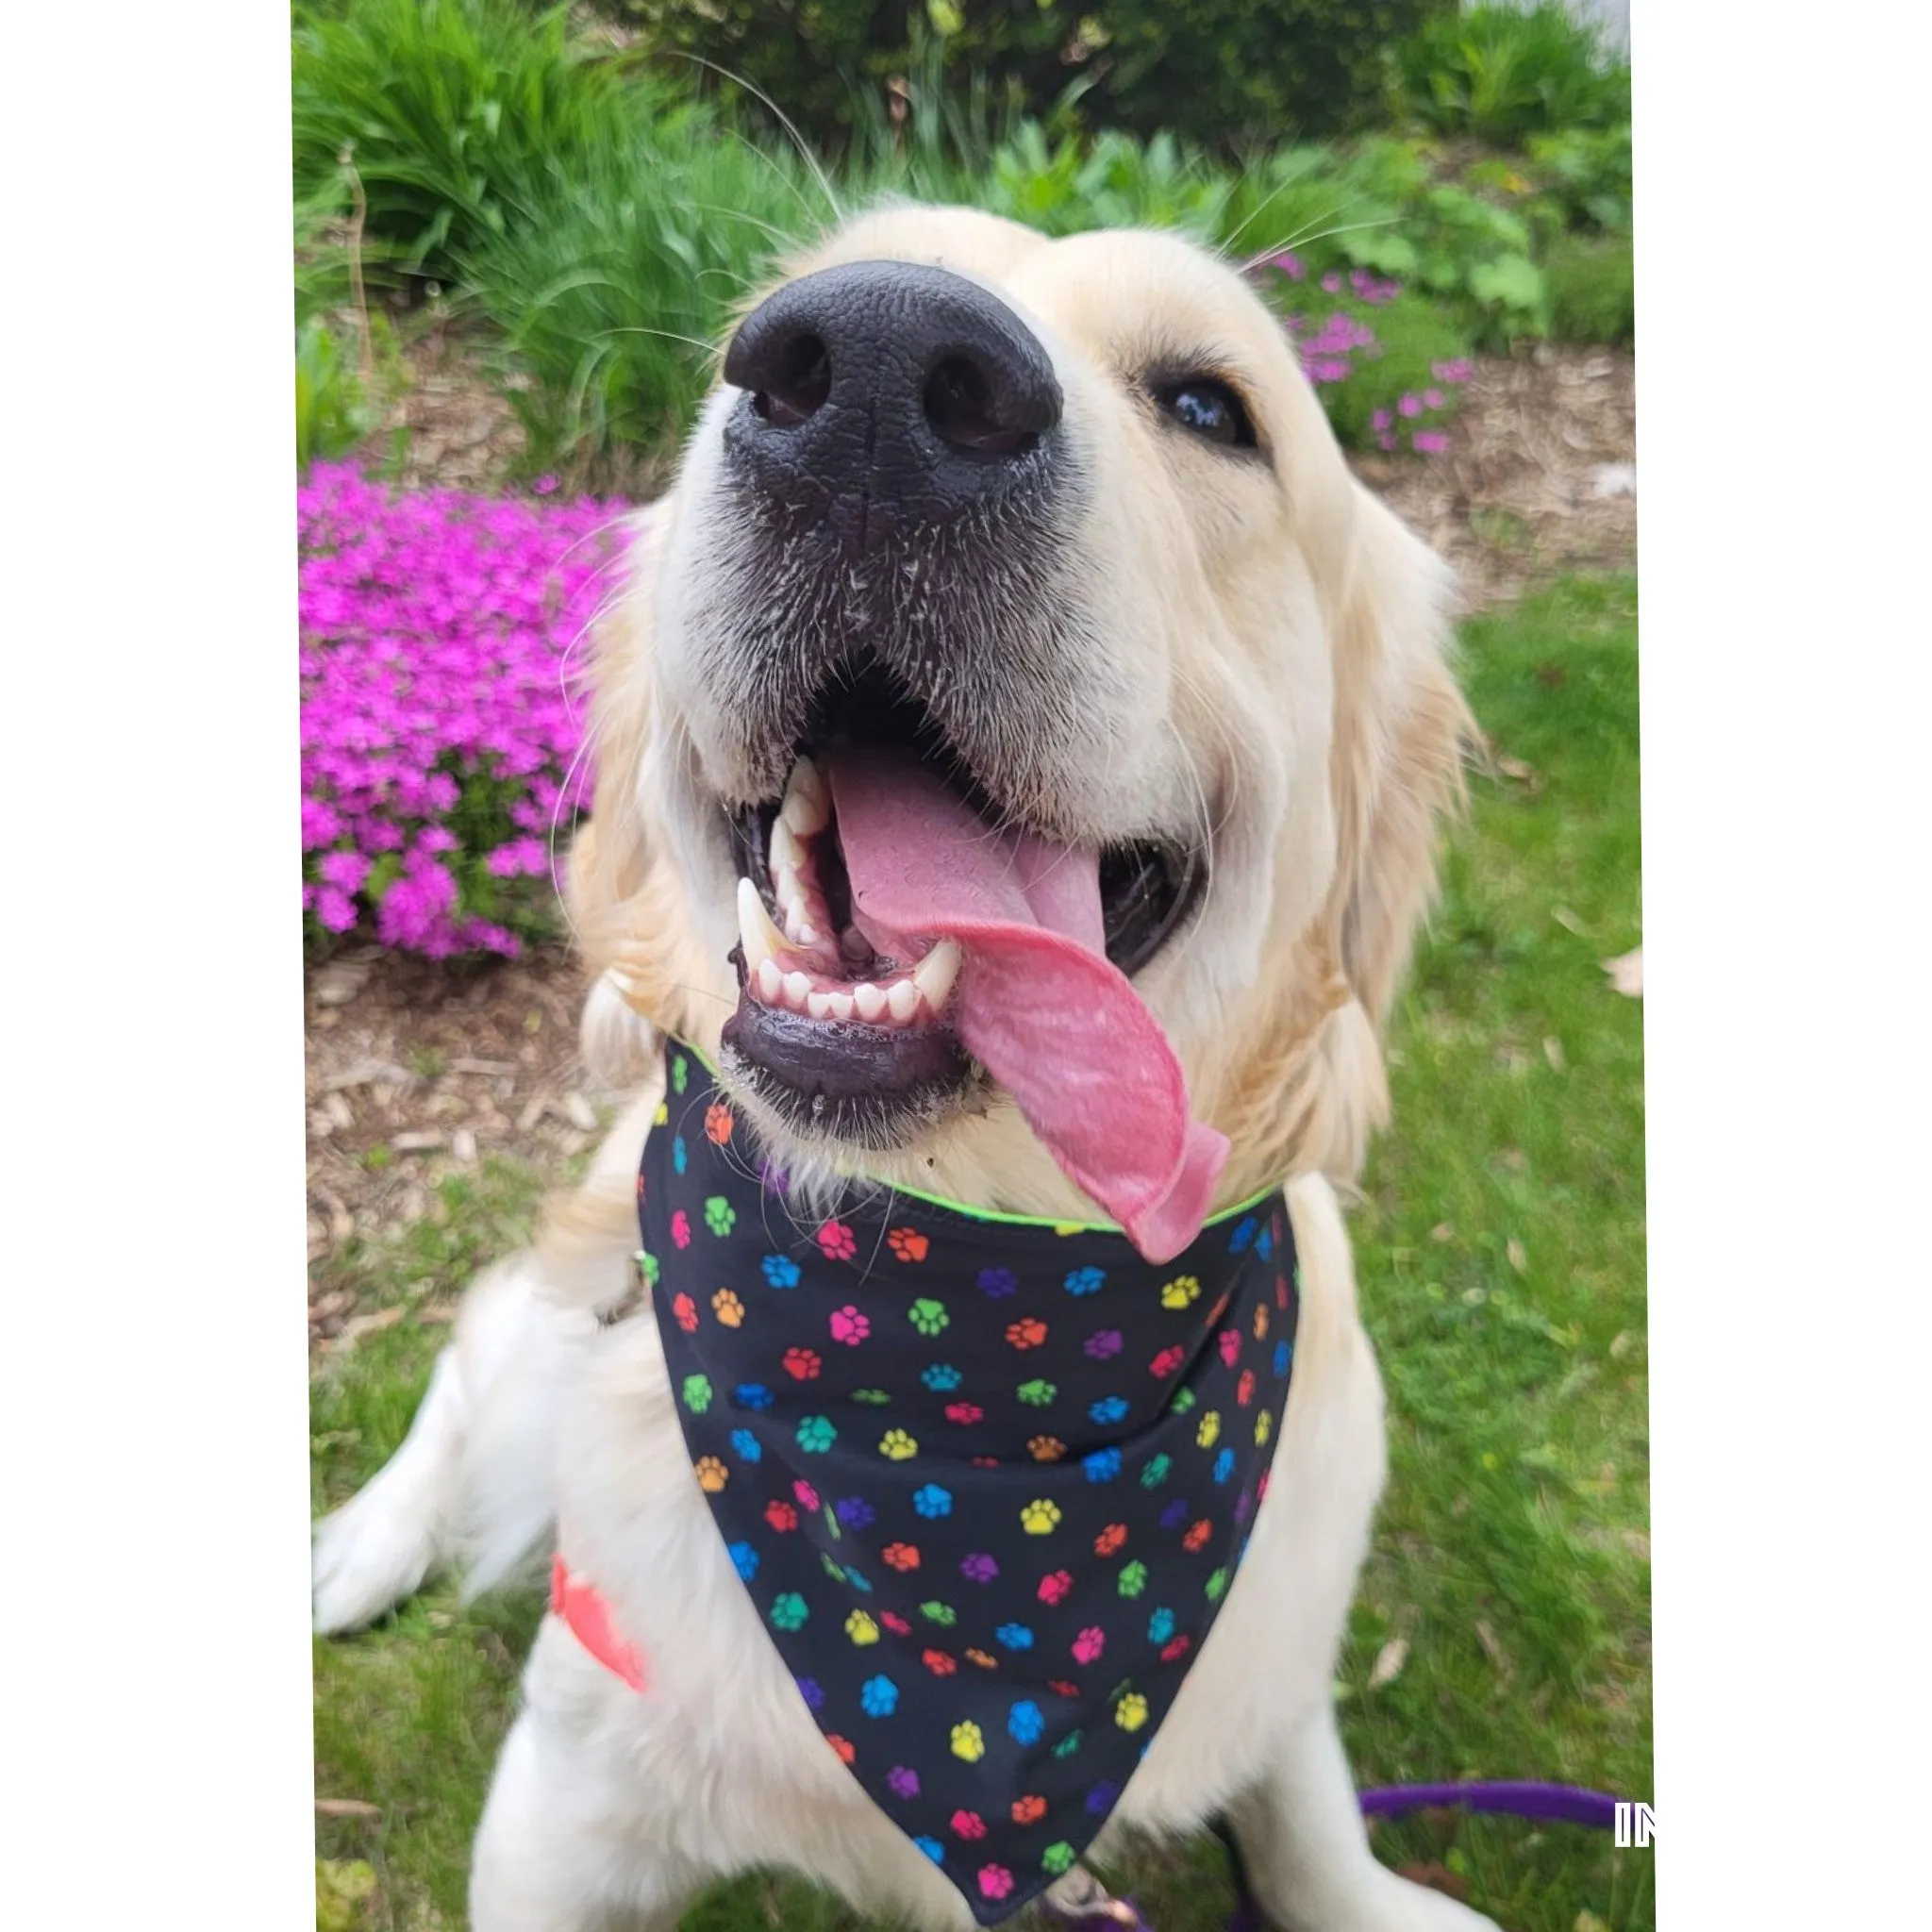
x=1539, y=1803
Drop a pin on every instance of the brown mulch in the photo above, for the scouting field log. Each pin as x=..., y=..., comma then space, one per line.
x=442, y=1065
x=1516, y=500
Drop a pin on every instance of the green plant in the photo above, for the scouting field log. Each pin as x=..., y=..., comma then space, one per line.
x=333, y=408
x=1212, y=72
x=452, y=112
x=1586, y=171
x=1593, y=288
x=1503, y=73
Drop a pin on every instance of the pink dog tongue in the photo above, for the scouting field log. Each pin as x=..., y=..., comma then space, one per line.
x=1037, y=1001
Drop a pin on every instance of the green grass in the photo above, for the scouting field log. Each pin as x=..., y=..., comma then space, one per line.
x=1500, y=1250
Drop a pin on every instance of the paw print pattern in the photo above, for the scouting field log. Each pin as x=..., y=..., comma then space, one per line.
x=975, y=1400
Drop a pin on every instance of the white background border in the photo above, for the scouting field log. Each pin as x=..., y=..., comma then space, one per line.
x=153, y=1422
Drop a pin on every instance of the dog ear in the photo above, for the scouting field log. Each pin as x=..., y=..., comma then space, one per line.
x=614, y=892
x=1402, y=733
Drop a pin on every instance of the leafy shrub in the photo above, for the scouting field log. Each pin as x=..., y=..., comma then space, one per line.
x=333, y=409
x=451, y=111
x=439, y=744
x=1593, y=288
x=1211, y=72
x=1586, y=171
x=1501, y=75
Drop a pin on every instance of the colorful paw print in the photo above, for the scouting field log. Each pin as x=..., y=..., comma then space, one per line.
x=1130, y=1711
x=967, y=1824
x=782, y=1517
x=853, y=1512
x=649, y=1267
x=1166, y=1362
x=1109, y=1410
x=895, y=1445
x=1028, y=1333
x=837, y=1242
x=1197, y=1535
x=1264, y=1424
x=1103, y=1344
x=1224, y=1465
x=1067, y=1745
x=802, y=1364
x=903, y=1558
x=1132, y=1580
x=1014, y=1637
x=789, y=1612
x=1207, y=1432
x=1229, y=1344
x=861, y=1629
x=1179, y=1293
x=1045, y=1448
x=746, y=1446
x=1025, y=1722
x=849, y=1325
x=806, y=1496
x=1101, y=1465
x=1058, y=1858
x=684, y=1312
x=717, y=1123
x=680, y=1072
x=1159, y=1627
x=872, y=1398
x=1237, y=1241
x=1216, y=1585
x=744, y=1560
x=697, y=1393
x=815, y=1434
x=1260, y=1321
x=1110, y=1541
x=978, y=1567
x=713, y=1474
x=943, y=1614
x=969, y=1744
x=897, y=1625
x=941, y=1663
x=927, y=1316
x=941, y=1378
x=1244, y=1388
x=878, y=1697
x=932, y=1501
x=1156, y=1473
x=1089, y=1646
x=932, y=1848
x=1040, y=1516
x=842, y=1748
x=1037, y=1393
x=1054, y=1586
x=1029, y=1810
x=753, y=1396
x=908, y=1244
x=727, y=1308
x=995, y=1881
x=965, y=1413
x=903, y=1782
x=681, y=1154
x=1083, y=1281
x=680, y=1229
x=984, y=1658
x=780, y=1271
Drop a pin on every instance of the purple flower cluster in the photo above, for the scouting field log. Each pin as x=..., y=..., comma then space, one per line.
x=440, y=740
x=1412, y=414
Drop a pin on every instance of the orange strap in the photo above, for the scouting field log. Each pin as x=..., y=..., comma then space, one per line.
x=583, y=1610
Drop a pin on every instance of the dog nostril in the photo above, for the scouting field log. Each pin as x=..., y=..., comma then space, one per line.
x=800, y=385
x=960, y=405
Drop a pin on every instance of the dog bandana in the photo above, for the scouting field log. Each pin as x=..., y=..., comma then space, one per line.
x=986, y=1479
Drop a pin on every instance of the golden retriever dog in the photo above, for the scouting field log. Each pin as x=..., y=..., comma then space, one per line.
x=1019, y=759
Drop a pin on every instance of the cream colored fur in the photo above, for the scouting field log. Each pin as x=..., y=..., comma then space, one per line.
x=1268, y=644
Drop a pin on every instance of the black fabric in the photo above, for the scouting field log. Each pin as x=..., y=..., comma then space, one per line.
x=986, y=1479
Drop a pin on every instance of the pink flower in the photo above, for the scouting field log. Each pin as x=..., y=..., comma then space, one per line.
x=1381, y=420
x=1434, y=398
x=1331, y=283
x=1410, y=405
x=1289, y=265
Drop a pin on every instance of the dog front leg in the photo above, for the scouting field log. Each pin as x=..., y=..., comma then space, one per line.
x=1307, y=1851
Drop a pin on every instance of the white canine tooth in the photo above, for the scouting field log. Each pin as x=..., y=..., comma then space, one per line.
x=771, y=981
x=818, y=1004
x=756, y=932
x=841, y=1005
x=902, y=999
x=869, y=1000
x=935, y=974
x=787, y=854
x=797, y=989
x=807, y=808
x=807, y=934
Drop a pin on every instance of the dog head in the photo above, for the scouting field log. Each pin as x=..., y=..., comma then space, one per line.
x=1054, y=537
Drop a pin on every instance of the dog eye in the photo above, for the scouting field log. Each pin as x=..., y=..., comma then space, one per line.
x=1210, y=409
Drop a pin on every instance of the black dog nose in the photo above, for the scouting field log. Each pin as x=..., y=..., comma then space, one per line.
x=883, y=394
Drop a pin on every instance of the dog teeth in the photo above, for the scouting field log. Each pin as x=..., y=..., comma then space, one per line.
x=841, y=1005
x=935, y=974
x=786, y=853
x=902, y=999
x=797, y=990
x=869, y=1000
x=759, y=938
x=808, y=806
x=818, y=1004
x=771, y=982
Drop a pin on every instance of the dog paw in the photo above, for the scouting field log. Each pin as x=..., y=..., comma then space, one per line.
x=368, y=1557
